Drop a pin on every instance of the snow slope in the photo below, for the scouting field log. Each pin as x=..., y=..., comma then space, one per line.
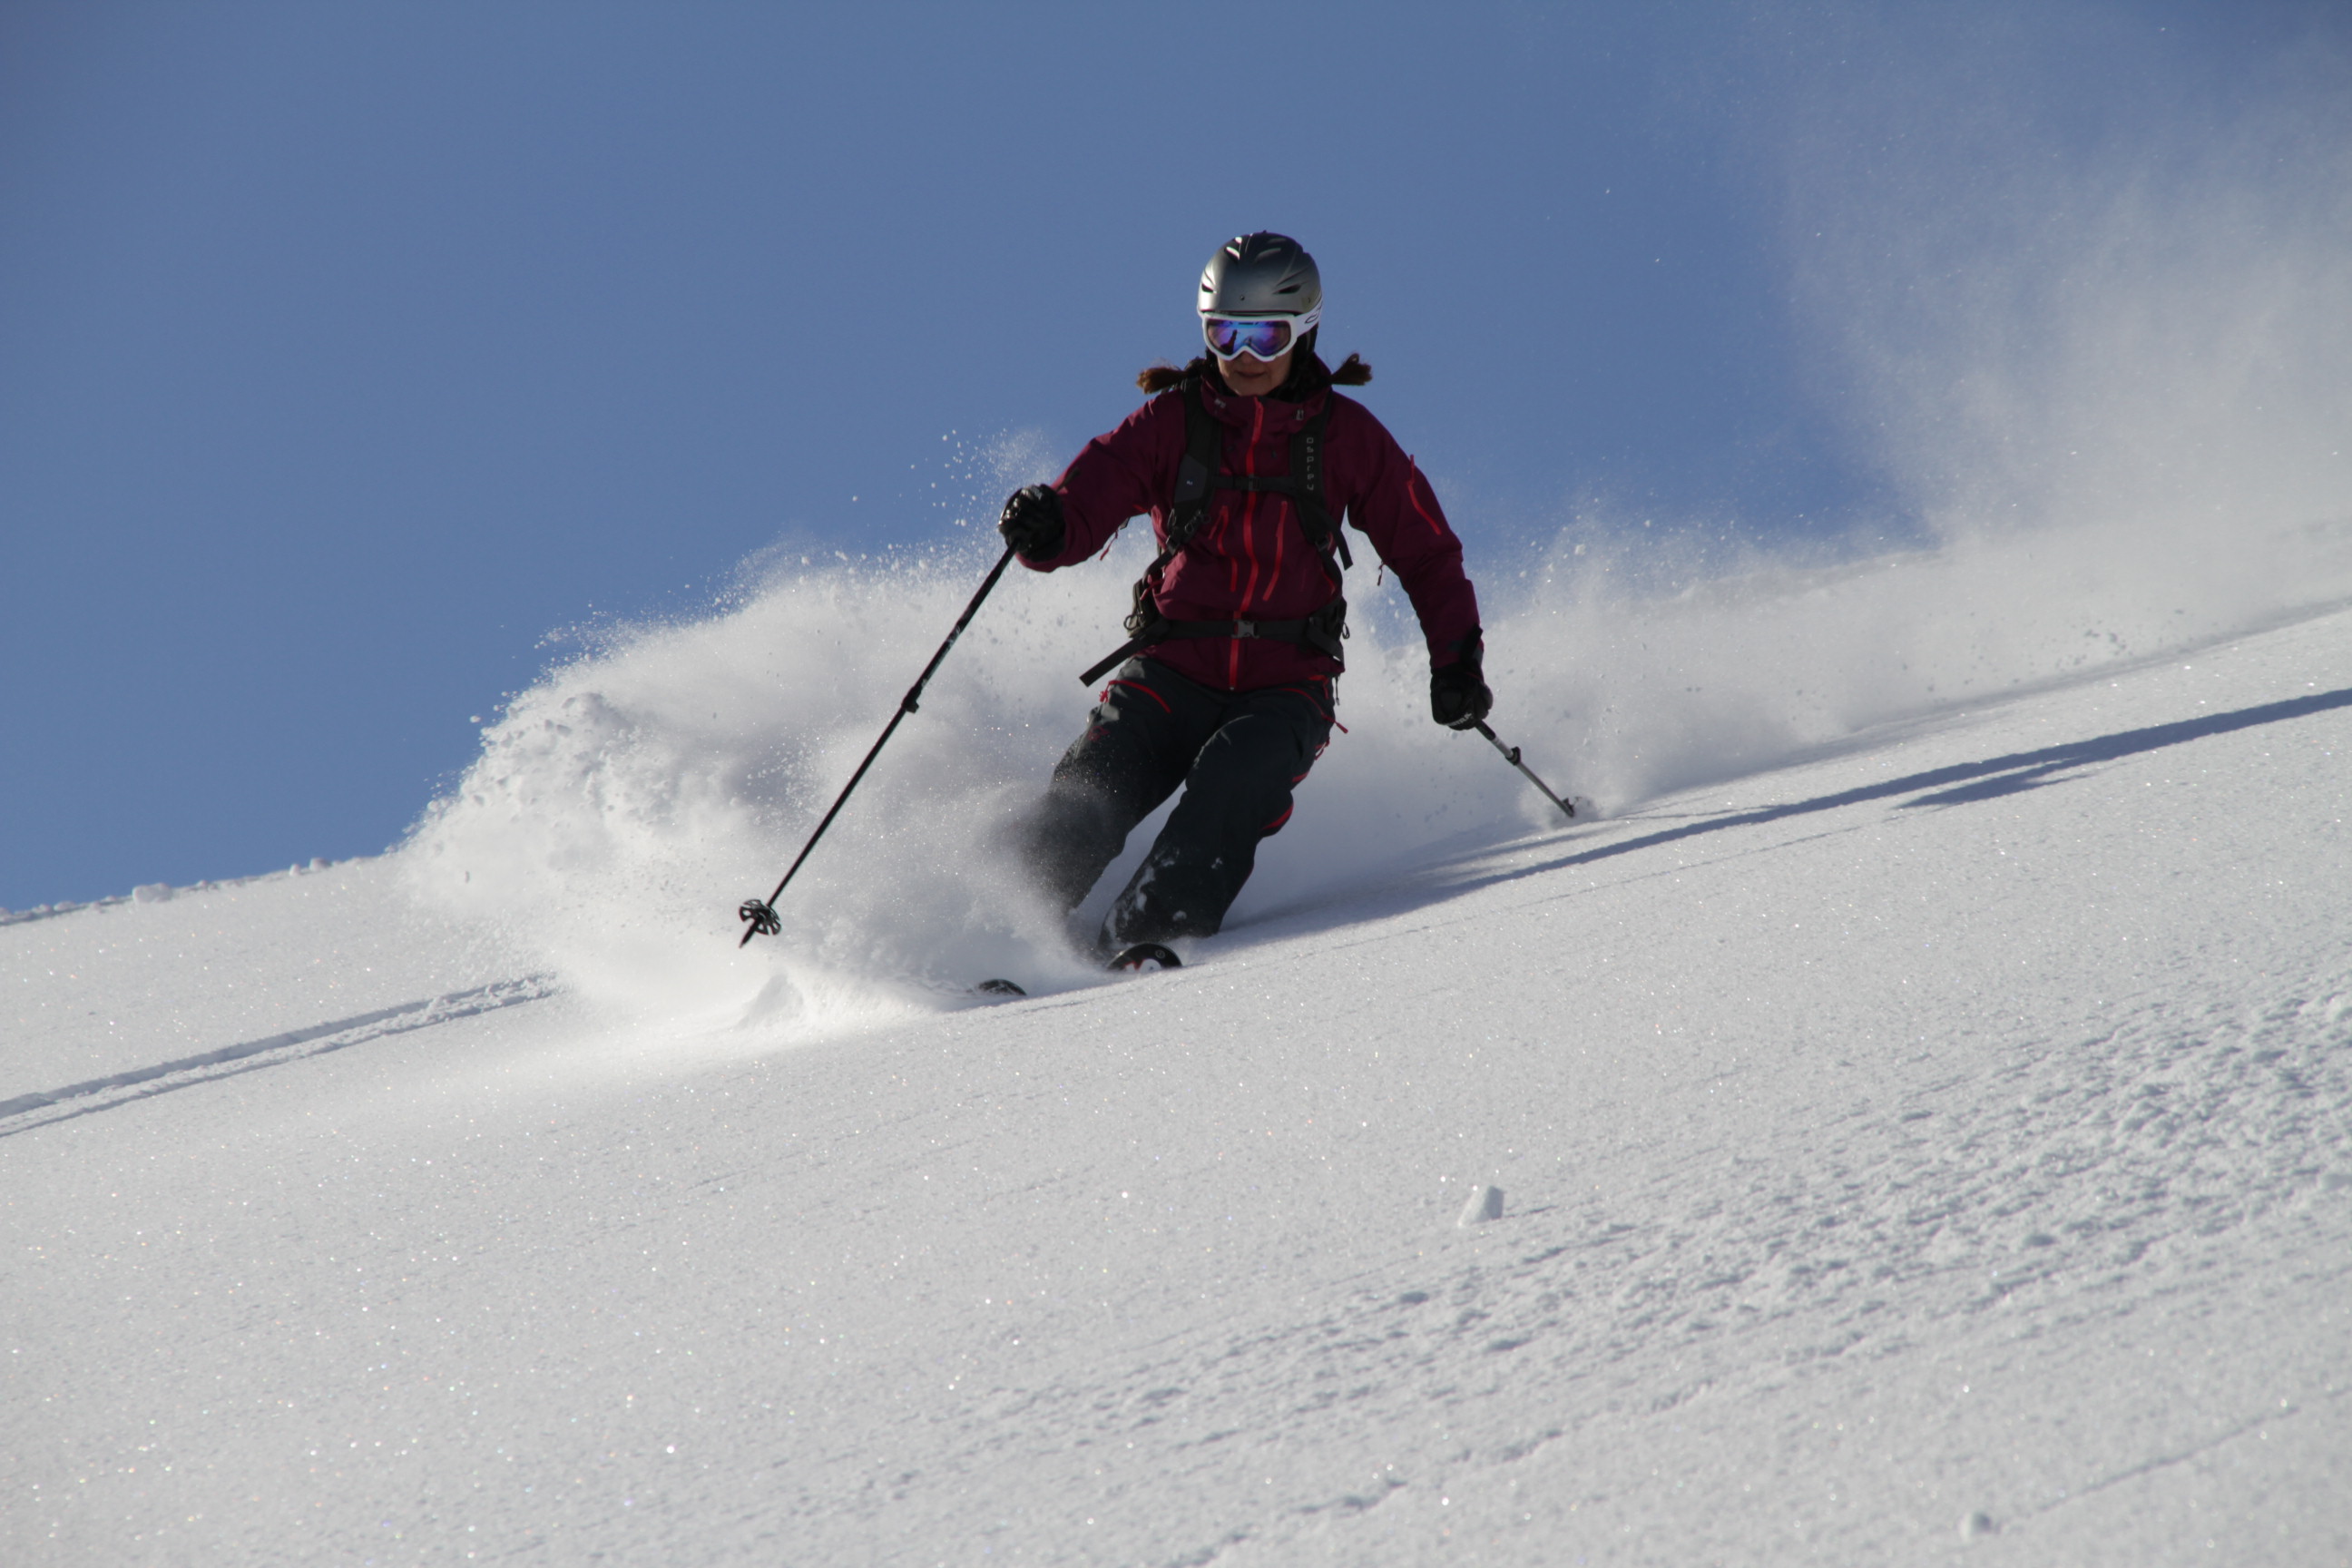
x=1936, y=1146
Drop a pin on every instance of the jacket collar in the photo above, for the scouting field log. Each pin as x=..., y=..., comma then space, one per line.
x=1286, y=407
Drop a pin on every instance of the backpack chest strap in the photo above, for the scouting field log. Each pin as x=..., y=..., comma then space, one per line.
x=1197, y=474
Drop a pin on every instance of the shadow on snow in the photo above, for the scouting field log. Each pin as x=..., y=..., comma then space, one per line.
x=1960, y=783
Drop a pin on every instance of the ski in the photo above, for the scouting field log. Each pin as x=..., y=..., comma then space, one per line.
x=1140, y=959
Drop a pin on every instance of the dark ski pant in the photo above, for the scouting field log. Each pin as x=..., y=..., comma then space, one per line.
x=1238, y=755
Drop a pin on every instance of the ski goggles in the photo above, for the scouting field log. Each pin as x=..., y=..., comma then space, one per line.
x=1260, y=337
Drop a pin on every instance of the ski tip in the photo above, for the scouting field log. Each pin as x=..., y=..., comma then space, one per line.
x=1142, y=958
x=999, y=988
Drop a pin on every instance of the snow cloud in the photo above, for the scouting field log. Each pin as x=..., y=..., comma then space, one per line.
x=2106, y=363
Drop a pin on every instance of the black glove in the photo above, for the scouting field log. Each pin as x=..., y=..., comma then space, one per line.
x=1032, y=521
x=1458, y=696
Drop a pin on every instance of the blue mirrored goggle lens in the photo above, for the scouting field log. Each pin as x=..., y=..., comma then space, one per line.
x=1263, y=338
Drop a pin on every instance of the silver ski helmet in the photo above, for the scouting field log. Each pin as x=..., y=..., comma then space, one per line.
x=1263, y=274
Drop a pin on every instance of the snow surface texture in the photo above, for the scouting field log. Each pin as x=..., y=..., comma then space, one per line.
x=1939, y=1150
x=1921, y=1103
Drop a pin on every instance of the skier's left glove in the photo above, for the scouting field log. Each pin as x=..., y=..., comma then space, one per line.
x=1458, y=696
x=1031, y=523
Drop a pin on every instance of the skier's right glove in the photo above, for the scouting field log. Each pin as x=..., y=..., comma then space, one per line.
x=1032, y=521
x=1458, y=696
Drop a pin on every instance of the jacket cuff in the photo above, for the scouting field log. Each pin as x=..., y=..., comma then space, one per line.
x=1468, y=651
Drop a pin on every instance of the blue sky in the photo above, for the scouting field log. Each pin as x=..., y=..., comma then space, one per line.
x=347, y=351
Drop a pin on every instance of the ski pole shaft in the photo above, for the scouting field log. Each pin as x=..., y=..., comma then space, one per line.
x=759, y=915
x=1511, y=755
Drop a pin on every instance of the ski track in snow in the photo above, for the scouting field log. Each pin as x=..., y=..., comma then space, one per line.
x=119, y=1088
x=1937, y=1150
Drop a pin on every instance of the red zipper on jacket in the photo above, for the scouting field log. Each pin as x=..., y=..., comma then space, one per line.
x=1249, y=541
x=1414, y=485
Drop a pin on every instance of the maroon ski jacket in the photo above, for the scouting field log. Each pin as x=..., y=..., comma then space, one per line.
x=1250, y=559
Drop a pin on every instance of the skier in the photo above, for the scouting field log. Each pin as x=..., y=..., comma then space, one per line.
x=1247, y=460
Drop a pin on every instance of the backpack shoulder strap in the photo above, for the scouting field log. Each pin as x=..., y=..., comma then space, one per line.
x=1303, y=485
x=1197, y=474
x=1196, y=471
x=1307, y=477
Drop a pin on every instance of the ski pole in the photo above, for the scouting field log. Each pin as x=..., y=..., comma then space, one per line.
x=1511, y=755
x=759, y=915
